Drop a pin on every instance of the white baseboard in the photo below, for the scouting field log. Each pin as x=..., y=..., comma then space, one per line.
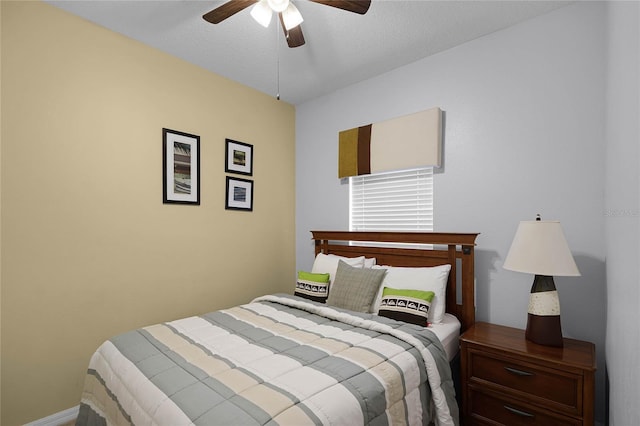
x=58, y=418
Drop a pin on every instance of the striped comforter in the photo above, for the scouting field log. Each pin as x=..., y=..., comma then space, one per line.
x=277, y=360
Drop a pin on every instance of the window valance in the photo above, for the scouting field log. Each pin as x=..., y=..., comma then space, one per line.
x=406, y=142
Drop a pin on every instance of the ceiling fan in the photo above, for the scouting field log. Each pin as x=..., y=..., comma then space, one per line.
x=288, y=15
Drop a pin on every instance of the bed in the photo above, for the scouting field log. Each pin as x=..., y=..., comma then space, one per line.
x=290, y=359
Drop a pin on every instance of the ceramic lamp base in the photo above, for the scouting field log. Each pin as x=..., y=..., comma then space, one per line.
x=543, y=321
x=544, y=330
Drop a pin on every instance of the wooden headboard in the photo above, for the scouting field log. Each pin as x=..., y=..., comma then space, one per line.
x=447, y=249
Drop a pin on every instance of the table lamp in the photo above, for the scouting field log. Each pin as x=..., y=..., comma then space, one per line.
x=540, y=248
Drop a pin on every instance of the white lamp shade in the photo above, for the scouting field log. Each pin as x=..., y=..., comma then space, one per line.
x=261, y=12
x=291, y=17
x=539, y=247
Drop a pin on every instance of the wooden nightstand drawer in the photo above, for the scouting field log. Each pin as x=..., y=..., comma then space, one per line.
x=548, y=386
x=492, y=408
x=509, y=380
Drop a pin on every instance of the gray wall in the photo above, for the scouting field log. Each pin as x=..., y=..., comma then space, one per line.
x=622, y=211
x=524, y=134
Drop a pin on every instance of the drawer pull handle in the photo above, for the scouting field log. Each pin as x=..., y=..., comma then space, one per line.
x=518, y=372
x=518, y=412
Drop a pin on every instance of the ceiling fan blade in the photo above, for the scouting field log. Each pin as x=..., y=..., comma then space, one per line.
x=355, y=6
x=228, y=9
x=294, y=36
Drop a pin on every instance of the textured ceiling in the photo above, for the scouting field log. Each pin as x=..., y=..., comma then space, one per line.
x=341, y=48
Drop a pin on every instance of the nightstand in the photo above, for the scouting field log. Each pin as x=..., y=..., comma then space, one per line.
x=509, y=380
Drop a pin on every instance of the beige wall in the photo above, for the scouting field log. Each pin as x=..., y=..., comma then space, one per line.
x=88, y=248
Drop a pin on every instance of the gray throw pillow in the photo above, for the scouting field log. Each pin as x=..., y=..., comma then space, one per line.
x=354, y=288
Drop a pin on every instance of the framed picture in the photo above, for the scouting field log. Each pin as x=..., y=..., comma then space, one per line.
x=239, y=194
x=180, y=167
x=238, y=158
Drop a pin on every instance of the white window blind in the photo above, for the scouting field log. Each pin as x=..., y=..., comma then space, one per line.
x=392, y=201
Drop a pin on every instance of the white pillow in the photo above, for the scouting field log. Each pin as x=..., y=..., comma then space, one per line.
x=328, y=263
x=369, y=262
x=425, y=279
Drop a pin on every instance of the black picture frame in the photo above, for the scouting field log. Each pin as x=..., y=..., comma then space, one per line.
x=238, y=157
x=239, y=194
x=180, y=167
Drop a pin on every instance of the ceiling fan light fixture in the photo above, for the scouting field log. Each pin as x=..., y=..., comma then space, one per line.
x=284, y=9
x=291, y=17
x=278, y=5
x=261, y=12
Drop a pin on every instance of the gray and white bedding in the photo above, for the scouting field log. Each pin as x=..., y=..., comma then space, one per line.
x=277, y=360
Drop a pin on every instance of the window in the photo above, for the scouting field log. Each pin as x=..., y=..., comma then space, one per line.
x=392, y=201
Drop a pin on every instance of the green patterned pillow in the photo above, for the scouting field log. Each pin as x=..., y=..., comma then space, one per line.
x=410, y=306
x=354, y=288
x=312, y=286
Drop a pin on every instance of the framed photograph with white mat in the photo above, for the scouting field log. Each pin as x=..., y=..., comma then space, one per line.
x=180, y=167
x=238, y=157
x=239, y=194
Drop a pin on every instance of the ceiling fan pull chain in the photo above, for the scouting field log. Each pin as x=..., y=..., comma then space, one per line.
x=277, y=62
